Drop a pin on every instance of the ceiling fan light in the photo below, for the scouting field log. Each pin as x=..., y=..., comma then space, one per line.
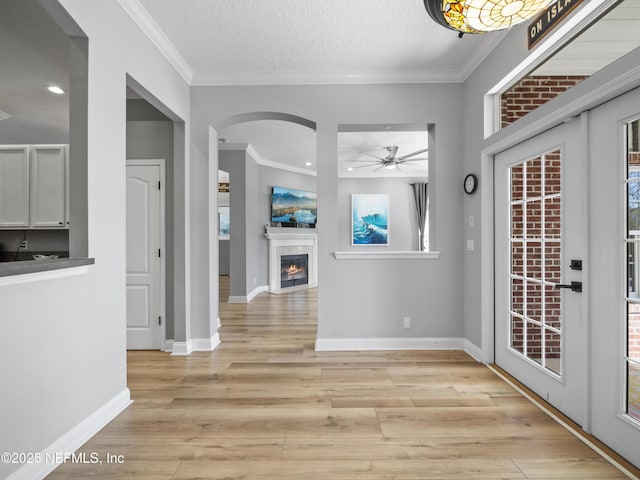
x=479, y=16
x=391, y=166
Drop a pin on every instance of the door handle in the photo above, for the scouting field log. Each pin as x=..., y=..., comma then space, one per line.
x=573, y=286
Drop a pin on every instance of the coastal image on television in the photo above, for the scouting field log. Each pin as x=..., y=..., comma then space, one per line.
x=370, y=219
x=291, y=207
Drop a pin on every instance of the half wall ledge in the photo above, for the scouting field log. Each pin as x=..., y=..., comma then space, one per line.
x=353, y=255
x=12, y=273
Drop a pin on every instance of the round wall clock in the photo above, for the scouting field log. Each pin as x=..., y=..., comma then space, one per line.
x=470, y=183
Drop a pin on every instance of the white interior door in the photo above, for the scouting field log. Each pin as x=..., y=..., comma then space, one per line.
x=145, y=233
x=540, y=230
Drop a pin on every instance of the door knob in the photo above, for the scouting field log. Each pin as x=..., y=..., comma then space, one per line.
x=573, y=286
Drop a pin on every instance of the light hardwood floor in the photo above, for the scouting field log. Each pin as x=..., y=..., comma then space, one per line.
x=265, y=405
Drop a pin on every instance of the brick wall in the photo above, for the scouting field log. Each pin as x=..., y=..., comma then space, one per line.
x=531, y=92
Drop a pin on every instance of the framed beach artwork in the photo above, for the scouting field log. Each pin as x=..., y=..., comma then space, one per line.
x=369, y=219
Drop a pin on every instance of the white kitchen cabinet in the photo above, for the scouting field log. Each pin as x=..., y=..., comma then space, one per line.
x=14, y=186
x=48, y=186
x=33, y=186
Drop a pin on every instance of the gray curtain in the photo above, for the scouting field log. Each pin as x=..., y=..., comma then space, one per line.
x=420, y=197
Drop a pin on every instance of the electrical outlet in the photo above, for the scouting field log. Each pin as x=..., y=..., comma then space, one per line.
x=24, y=244
x=406, y=322
x=254, y=281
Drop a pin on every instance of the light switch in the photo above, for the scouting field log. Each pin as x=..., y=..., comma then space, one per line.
x=470, y=245
x=471, y=221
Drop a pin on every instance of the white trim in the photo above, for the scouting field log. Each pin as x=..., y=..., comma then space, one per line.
x=247, y=147
x=205, y=344
x=355, y=344
x=357, y=255
x=195, y=345
x=181, y=348
x=168, y=345
x=474, y=351
x=247, y=298
x=487, y=260
x=326, y=78
x=150, y=28
x=46, y=275
x=74, y=438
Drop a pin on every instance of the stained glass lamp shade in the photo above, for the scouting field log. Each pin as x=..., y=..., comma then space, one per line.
x=479, y=16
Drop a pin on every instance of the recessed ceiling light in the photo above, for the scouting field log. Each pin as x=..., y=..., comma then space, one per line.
x=349, y=169
x=55, y=89
x=307, y=164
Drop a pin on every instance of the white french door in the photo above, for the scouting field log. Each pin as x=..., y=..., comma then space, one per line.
x=614, y=204
x=540, y=237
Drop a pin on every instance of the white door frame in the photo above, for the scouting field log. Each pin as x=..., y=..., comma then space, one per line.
x=160, y=162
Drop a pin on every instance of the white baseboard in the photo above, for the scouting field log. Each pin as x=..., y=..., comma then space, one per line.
x=195, y=345
x=473, y=350
x=350, y=344
x=168, y=345
x=73, y=439
x=250, y=296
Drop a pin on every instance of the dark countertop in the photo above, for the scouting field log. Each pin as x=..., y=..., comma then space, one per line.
x=33, y=266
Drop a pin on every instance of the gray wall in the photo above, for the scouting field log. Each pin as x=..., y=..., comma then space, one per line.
x=403, y=228
x=427, y=289
x=154, y=140
x=235, y=162
x=71, y=342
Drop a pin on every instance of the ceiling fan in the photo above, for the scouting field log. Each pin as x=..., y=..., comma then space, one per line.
x=391, y=161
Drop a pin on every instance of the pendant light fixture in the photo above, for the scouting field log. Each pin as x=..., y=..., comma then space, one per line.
x=480, y=16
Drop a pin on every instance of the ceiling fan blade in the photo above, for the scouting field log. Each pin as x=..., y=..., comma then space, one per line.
x=373, y=156
x=398, y=167
x=368, y=165
x=381, y=166
x=413, y=153
x=361, y=161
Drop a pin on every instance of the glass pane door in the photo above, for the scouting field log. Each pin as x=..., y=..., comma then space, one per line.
x=539, y=228
x=536, y=254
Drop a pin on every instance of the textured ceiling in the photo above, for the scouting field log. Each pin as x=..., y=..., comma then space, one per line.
x=257, y=41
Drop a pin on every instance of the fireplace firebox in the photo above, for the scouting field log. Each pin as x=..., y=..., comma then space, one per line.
x=294, y=270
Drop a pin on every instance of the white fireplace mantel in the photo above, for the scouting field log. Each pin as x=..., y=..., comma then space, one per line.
x=288, y=241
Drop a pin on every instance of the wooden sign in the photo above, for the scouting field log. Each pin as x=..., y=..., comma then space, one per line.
x=550, y=18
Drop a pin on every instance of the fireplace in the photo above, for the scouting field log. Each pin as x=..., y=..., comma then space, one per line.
x=287, y=246
x=294, y=270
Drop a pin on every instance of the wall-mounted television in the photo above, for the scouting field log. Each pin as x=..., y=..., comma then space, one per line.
x=293, y=208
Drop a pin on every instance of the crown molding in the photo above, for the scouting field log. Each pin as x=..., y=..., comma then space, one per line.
x=246, y=78
x=151, y=29
x=263, y=161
